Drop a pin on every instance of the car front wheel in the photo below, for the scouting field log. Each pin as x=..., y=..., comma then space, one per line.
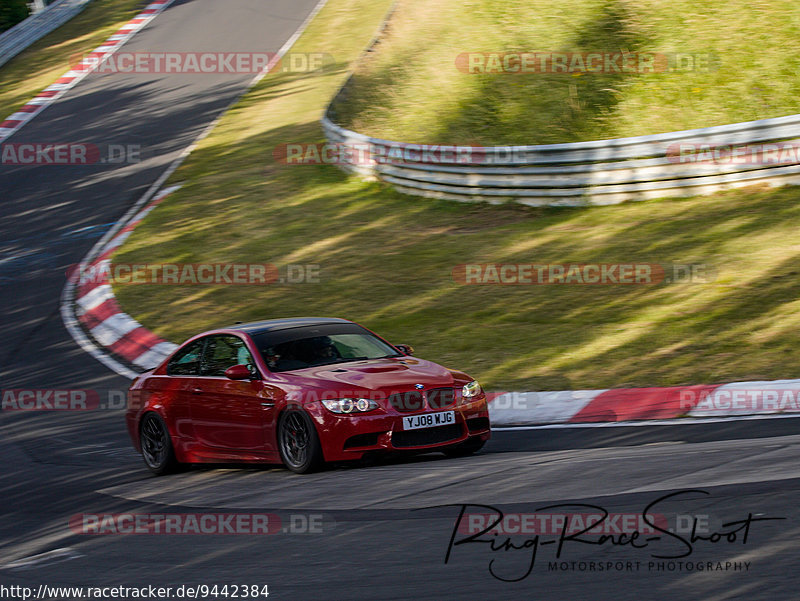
x=298, y=442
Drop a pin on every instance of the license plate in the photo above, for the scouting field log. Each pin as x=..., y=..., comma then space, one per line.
x=429, y=420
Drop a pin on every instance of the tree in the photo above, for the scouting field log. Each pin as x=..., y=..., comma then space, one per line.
x=12, y=12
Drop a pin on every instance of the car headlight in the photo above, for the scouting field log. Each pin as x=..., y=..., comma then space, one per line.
x=348, y=406
x=471, y=390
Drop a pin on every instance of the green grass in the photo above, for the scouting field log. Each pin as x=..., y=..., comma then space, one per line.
x=410, y=89
x=386, y=259
x=44, y=62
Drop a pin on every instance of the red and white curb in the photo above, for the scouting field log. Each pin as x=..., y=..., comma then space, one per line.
x=89, y=63
x=97, y=310
x=575, y=407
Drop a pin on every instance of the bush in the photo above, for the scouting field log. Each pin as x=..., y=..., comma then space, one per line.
x=12, y=12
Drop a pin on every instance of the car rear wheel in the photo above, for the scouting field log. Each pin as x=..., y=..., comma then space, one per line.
x=298, y=442
x=468, y=447
x=157, y=451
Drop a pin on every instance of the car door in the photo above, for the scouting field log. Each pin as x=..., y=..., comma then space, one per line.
x=228, y=415
x=183, y=370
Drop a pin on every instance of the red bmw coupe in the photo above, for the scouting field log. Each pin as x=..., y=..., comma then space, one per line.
x=300, y=391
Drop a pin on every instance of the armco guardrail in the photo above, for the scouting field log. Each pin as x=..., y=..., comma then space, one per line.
x=597, y=172
x=35, y=27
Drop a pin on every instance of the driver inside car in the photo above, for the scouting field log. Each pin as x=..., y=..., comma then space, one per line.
x=324, y=349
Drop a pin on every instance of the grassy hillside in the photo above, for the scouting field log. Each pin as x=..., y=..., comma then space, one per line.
x=411, y=90
x=386, y=259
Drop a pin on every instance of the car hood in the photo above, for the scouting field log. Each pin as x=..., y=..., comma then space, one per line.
x=385, y=375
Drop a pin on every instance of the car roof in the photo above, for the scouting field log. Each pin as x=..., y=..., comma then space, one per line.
x=271, y=325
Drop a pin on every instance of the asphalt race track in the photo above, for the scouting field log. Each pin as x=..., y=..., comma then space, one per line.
x=376, y=530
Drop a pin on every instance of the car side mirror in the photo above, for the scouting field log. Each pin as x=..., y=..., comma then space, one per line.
x=406, y=349
x=238, y=372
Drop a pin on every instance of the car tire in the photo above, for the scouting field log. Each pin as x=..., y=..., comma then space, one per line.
x=298, y=442
x=463, y=449
x=156, y=444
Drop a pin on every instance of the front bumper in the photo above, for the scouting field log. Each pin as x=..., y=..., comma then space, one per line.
x=346, y=437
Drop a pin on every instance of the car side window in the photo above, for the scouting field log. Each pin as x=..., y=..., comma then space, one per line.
x=186, y=361
x=222, y=352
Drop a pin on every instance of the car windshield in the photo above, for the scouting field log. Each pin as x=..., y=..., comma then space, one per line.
x=312, y=346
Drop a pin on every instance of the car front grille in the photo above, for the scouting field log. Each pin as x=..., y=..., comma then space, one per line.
x=414, y=400
x=407, y=401
x=426, y=436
